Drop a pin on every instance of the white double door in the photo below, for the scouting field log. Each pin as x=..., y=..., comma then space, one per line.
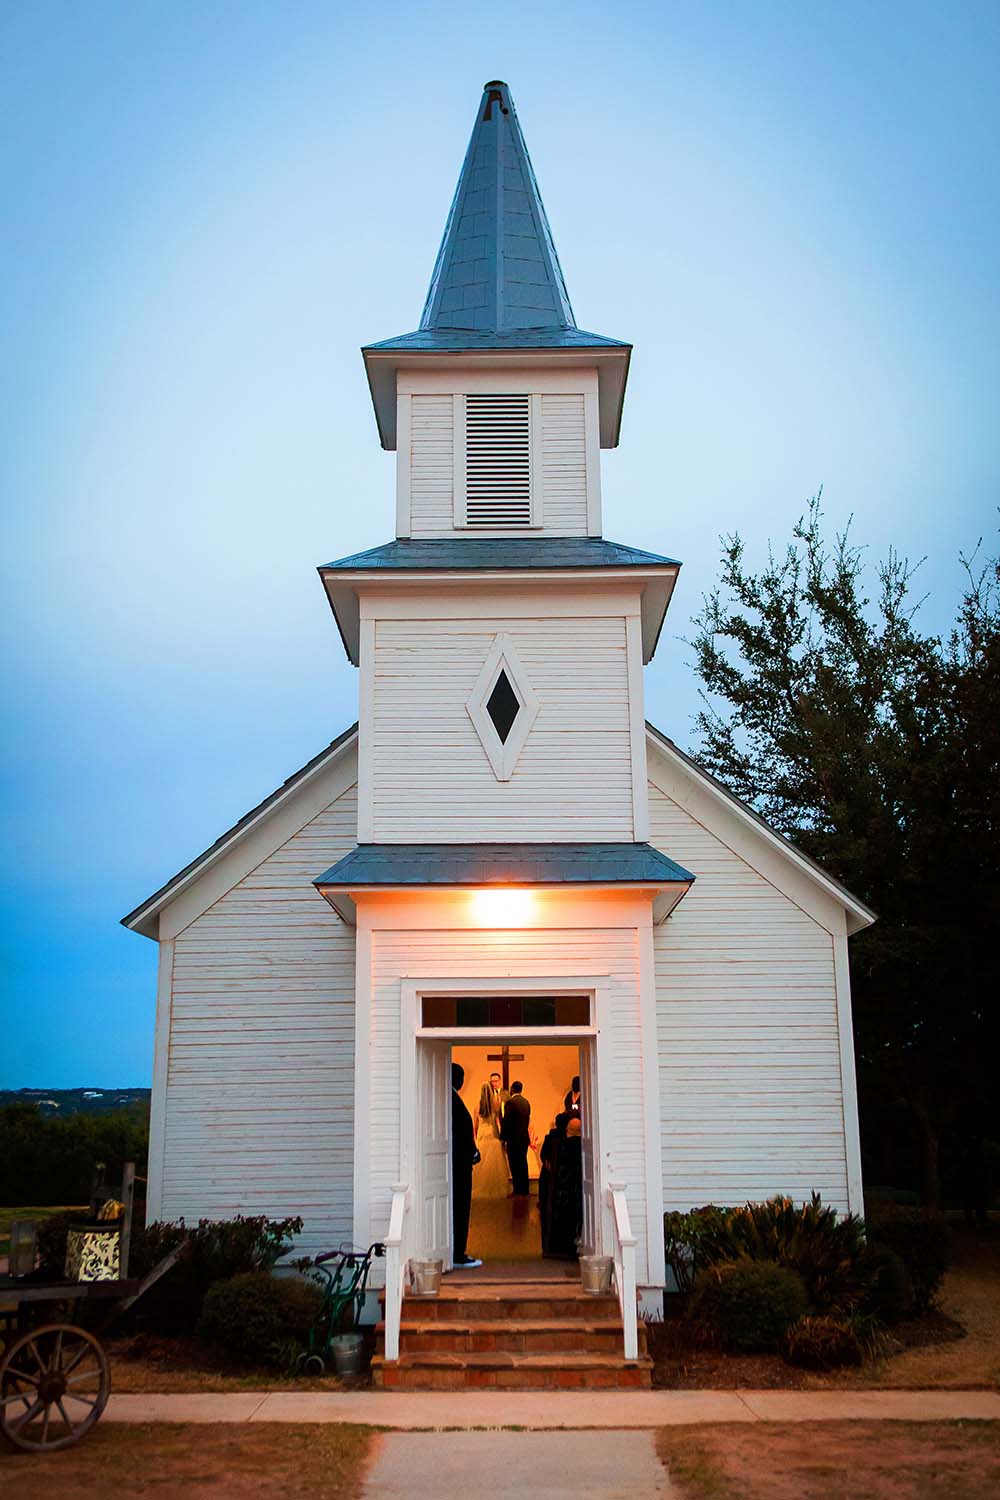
x=433, y=1113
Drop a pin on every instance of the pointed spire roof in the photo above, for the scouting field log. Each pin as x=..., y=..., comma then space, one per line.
x=497, y=285
x=497, y=269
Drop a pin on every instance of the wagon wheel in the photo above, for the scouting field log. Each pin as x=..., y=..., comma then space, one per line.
x=54, y=1384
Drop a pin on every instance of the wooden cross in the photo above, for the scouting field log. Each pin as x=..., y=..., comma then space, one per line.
x=505, y=1057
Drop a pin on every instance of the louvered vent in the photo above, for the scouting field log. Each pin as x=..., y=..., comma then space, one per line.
x=498, y=460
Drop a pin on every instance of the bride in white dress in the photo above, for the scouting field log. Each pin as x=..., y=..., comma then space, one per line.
x=492, y=1179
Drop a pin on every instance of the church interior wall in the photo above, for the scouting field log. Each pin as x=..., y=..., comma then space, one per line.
x=545, y=1070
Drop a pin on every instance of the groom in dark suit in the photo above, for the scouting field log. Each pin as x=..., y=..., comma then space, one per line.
x=463, y=1158
x=515, y=1136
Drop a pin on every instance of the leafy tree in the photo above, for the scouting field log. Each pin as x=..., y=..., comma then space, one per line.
x=876, y=749
x=45, y=1159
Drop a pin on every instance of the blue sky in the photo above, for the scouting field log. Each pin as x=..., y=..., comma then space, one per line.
x=790, y=209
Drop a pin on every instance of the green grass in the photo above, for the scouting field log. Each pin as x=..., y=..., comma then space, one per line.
x=8, y=1215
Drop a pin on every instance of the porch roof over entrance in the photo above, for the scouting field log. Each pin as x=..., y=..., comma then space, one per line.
x=374, y=866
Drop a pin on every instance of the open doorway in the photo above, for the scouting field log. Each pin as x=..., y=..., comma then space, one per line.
x=507, y=1225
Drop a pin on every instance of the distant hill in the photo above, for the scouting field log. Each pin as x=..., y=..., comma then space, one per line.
x=89, y=1101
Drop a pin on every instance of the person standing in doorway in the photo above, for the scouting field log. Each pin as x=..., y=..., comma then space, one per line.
x=548, y=1163
x=571, y=1103
x=566, y=1196
x=516, y=1136
x=492, y=1179
x=463, y=1158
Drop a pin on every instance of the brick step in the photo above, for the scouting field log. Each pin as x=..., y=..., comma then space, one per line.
x=512, y=1372
x=524, y=1336
x=510, y=1304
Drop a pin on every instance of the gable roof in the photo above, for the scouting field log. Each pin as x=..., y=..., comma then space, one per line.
x=140, y=919
x=859, y=915
x=565, y=863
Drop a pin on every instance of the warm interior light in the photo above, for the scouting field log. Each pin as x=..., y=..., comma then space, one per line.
x=503, y=908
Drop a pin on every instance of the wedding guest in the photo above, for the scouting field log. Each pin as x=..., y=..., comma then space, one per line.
x=548, y=1156
x=463, y=1157
x=515, y=1132
x=566, y=1204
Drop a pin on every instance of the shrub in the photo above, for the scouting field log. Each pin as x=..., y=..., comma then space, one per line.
x=685, y=1238
x=825, y=1248
x=257, y=1318
x=870, y=1332
x=216, y=1251
x=748, y=1305
x=822, y=1343
x=922, y=1242
x=891, y=1296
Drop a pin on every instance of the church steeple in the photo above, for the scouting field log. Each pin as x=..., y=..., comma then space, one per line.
x=497, y=295
x=497, y=268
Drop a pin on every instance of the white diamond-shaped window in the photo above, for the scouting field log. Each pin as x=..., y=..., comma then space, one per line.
x=502, y=707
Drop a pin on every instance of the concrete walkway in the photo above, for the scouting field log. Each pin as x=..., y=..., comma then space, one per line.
x=547, y=1410
x=510, y=1465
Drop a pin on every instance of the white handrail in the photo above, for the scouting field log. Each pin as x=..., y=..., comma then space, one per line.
x=624, y=1258
x=395, y=1268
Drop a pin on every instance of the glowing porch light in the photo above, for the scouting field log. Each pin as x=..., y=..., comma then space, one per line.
x=507, y=907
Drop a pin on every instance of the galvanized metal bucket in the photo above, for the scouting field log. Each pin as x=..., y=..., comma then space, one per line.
x=595, y=1274
x=347, y=1352
x=426, y=1277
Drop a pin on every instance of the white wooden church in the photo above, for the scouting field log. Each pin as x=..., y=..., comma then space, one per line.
x=502, y=853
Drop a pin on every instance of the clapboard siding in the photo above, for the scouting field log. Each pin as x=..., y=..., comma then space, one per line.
x=751, y=1100
x=432, y=510
x=431, y=778
x=488, y=955
x=260, y=1080
x=563, y=467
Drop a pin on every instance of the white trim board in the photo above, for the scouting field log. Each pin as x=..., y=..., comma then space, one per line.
x=161, y=1069
x=412, y=990
x=502, y=754
x=208, y=878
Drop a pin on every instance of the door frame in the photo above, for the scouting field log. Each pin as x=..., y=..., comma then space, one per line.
x=412, y=992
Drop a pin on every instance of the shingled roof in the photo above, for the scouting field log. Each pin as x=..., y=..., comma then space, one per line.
x=501, y=866
x=462, y=553
x=457, y=555
x=497, y=286
x=470, y=340
x=497, y=267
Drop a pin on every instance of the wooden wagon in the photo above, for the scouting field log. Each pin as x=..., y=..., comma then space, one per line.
x=54, y=1375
